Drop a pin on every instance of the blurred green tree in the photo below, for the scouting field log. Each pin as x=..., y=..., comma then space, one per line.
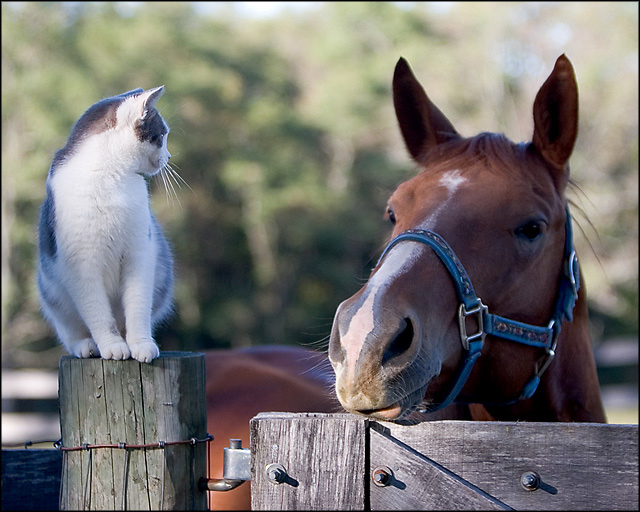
x=285, y=132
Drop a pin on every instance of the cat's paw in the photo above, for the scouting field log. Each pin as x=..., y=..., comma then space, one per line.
x=85, y=348
x=144, y=350
x=117, y=350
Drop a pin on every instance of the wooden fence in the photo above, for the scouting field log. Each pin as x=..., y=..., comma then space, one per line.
x=114, y=414
x=342, y=462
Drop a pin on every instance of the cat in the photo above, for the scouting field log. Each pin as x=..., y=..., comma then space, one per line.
x=105, y=270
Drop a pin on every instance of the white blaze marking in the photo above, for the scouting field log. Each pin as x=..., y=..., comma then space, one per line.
x=452, y=181
x=397, y=261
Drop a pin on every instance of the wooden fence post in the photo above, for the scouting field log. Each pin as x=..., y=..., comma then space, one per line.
x=106, y=402
x=321, y=459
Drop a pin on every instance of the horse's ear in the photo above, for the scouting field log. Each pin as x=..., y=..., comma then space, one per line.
x=422, y=124
x=555, y=114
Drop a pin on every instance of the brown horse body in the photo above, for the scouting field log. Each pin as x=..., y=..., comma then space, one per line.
x=395, y=345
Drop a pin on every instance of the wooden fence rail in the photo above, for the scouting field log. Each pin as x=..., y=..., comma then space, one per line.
x=31, y=479
x=344, y=462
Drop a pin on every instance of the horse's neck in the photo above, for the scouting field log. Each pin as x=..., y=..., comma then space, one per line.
x=569, y=390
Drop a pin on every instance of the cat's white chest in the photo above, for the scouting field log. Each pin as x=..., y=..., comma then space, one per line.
x=99, y=212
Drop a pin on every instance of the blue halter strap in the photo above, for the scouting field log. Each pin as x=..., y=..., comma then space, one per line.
x=471, y=305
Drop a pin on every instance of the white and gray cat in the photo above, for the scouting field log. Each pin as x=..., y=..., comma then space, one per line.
x=105, y=271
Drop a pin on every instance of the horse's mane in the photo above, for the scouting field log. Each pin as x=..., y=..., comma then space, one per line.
x=494, y=150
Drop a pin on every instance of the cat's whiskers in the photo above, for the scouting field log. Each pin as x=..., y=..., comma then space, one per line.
x=179, y=180
x=172, y=194
x=168, y=187
x=170, y=179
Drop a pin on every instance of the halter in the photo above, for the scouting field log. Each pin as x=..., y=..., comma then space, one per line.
x=471, y=305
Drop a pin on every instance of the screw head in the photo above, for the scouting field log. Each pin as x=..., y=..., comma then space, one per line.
x=530, y=480
x=382, y=476
x=276, y=473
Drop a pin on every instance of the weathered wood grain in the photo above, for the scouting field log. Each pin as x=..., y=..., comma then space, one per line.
x=418, y=483
x=31, y=479
x=583, y=466
x=109, y=402
x=442, y=464
x=324, y=456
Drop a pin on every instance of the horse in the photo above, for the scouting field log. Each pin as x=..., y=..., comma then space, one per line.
x=478, y=298
x=484, y=218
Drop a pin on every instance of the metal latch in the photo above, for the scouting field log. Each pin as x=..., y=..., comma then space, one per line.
x=236, y=469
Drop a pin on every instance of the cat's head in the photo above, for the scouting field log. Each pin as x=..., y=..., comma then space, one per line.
x=125, y=128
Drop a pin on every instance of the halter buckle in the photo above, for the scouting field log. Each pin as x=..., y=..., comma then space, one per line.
x=573, y=266
x=550, y=352
x=546, y=361
x=462, y=316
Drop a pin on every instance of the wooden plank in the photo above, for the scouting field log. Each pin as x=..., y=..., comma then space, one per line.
x=582, y=465
x=324, y=456
x=126, y=408
x=418, y=483
x=31, y=479
x=111, y=402
x=101, y=492
x=68, y=377
x=176, y=409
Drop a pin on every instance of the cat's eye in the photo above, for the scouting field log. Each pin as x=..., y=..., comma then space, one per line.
x=390, y=214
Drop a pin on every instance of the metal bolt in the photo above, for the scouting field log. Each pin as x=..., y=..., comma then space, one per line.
x=276, y=473
x=382, y=476
x=235, y=444
x=530, y=480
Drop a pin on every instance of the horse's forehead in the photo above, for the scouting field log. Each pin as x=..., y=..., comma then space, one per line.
x=431, y=187
x=483, y=185
x=428, y=182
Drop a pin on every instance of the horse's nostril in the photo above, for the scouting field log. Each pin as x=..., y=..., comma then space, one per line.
x=401, y=342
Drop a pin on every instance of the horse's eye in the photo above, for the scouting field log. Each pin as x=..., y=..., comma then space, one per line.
x=391, y=215
x=530, y=231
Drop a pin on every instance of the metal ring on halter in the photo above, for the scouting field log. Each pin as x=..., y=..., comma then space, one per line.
x=550, y=352
x=573, y=265
x=462, y=316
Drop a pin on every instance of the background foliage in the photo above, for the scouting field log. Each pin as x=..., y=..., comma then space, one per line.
x=283, y=127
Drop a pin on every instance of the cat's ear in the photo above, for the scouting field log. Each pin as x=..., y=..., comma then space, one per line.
x=136, y=106
x=146, y=100
x=151, y=96
x=130, y=93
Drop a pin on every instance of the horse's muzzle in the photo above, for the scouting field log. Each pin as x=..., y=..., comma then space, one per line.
x=377, y=372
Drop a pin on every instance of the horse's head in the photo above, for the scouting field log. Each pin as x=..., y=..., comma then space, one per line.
x=500, y=206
